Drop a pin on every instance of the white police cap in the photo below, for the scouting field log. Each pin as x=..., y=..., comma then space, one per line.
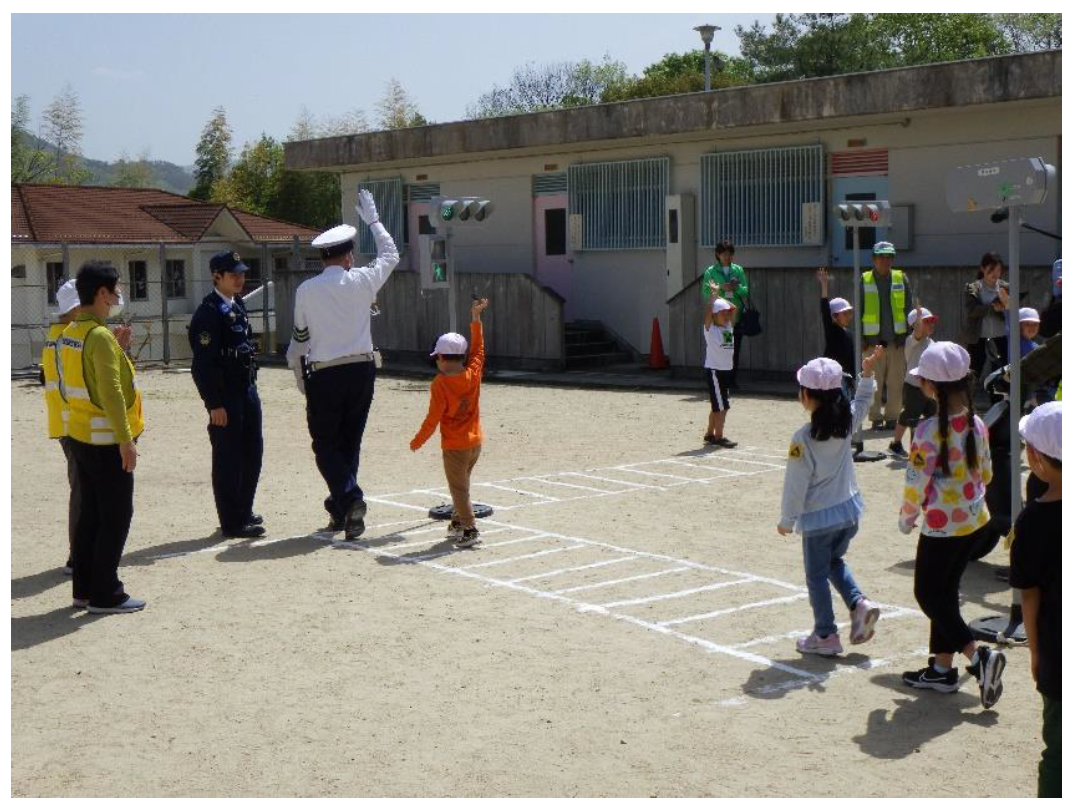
x=340, y=234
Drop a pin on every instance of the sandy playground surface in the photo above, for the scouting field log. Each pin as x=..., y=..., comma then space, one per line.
x=627, y=628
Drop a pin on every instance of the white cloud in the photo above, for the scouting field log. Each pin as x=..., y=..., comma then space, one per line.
x=122, y=75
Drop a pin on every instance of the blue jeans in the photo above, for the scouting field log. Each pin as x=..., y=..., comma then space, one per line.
x=823, y=554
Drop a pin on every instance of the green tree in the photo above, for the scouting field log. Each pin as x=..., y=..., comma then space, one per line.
x=253, y=181
x=129, y=173
x=534, y=87
x=1032, y=32
x=29, y=162
x=61, y=126
x=213, y=154
x=681, y=73
x=396, y=109
x=919, y=39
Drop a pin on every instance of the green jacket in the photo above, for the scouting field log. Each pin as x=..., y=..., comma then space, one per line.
x=717, y=273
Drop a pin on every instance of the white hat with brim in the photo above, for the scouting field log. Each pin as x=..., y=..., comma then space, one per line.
x=67, y=297
x=340, y=234
x=722, y=305
x=1043, y=429
x=839, y=305
x=926, y=315
x=450, y=343
x=942, y=362
x=1027, y=314
x=821, y=373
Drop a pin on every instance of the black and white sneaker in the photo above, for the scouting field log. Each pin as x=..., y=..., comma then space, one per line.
x=454, y=530
x=928, y=677
x=130, y=605
x=468, y=538
x=989, y=673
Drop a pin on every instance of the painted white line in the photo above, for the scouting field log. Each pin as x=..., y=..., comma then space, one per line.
x=574, y=486
x=747, y=460
x=724, y=473
x=543, y=497
x=629, y=602
x=611, y=582
x=510, y=559
x=563, y=570
x=729, y=610
x=613, y=480
x=630, y=468
x=769, y=640
x=443, y=528
x=439, y=493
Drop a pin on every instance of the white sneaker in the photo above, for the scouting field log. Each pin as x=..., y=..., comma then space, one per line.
x=130, y=605
x=454, y=530
x=468, y=538
x=826, y=647
x=863, y=620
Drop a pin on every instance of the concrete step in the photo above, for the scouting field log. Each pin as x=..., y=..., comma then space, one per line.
x=595, y=347
x=597, y=361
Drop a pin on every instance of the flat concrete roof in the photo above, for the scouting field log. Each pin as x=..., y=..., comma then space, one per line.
x=1020, y=77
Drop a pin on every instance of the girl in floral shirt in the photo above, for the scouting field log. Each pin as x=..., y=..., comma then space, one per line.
x=949, y=468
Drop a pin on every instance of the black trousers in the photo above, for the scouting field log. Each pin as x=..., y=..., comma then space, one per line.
x=337, y=407
x=237, y=450
x=105, y=509
x=979, y=355
x=938, y=570
x=73, y=499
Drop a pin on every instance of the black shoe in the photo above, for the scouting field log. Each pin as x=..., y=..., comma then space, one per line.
x=889, y=425
x=709, y=439
x=469, y=538
x=246, y=532
x=255, y=519
x=68, y=568
x=877, y=426
x=896, y=449
x=725, y=442
x=989, y=673
x=928, y=677
x=355, y=523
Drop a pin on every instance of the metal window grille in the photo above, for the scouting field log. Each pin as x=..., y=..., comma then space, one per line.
x=621, y=203
x=755, y=197
x=422, y=192
x=552, y=183
x=388, y=196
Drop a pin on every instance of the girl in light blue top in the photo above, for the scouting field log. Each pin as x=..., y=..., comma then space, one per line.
x=820, y=495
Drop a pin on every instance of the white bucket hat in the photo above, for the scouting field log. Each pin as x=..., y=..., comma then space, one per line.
x=67, y=297
x=925, y=315
x=1043, y=429
x=821, y=373
x=450, y=343
x=943, y=362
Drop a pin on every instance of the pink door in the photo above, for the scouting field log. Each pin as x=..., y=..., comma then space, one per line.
x=416, y=212
x=555, y=263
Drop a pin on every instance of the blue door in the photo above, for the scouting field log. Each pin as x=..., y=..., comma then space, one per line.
x=856, y=189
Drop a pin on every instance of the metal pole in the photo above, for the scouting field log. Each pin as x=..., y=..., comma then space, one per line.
x=708, y=59
x=453, y=316
x=1014, y=354
x=167, y=356
x=857, y=312
x=266, y=277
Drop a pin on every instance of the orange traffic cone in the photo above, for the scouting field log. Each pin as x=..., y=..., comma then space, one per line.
x=657, y=358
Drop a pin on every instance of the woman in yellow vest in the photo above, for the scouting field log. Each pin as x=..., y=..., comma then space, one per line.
x=55, y=407
x=886, y=301
x=105, y=418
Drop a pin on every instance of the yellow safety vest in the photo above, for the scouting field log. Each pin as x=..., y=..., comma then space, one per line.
x=54, y=403
x=88, y=422
x=870, y=316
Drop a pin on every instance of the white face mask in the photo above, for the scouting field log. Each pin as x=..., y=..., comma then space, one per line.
x=117, y=307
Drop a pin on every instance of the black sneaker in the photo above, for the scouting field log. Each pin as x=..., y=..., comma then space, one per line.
x=928, y=677
x=255, y=519
x=896, y=449
x=469, y=538
x=726, y=443
x=246, y=532
x=709, y=439
x=989, y=673
x=877, y=426
x=335, y=523
x=355, y=523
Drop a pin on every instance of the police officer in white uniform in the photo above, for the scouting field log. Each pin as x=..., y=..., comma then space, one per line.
x=331, y=353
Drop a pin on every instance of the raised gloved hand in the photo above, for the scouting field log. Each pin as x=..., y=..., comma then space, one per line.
x=366, y=208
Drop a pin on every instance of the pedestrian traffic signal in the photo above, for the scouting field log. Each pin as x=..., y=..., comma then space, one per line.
x=435, y=263
x=864, y=214
x=461, y=210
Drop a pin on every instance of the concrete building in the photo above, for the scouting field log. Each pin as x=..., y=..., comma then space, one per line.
x=617, y=207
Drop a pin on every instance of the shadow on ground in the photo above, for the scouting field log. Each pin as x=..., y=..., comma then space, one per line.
x=32, y=630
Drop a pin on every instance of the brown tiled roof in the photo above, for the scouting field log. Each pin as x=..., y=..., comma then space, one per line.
x=105, y=215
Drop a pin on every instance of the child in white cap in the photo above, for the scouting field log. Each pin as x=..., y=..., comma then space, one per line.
x=455, y=406
x=820, y=495
x=1029, y=326
x=719, y=362
x=949, y=468
x=915, y=404
x=1037, y=570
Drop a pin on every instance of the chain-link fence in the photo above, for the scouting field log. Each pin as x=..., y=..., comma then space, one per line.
x=163, y=284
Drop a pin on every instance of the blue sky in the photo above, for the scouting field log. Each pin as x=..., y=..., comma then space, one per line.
x=150, y=81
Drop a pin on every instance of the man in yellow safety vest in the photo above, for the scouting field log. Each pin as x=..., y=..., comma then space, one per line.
x=104, y=419
x=886, y=304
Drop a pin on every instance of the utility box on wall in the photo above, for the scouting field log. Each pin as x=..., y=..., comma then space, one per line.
x=681, y=242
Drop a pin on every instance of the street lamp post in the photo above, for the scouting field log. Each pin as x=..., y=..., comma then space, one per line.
x=707, y=32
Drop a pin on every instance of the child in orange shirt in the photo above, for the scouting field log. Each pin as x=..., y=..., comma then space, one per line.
x=454, y=405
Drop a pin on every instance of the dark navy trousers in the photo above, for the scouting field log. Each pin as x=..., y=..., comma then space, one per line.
x=237, y=451
x=337, y=407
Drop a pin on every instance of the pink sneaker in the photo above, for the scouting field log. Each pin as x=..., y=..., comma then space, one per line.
x=828, y=647
x=863, y=619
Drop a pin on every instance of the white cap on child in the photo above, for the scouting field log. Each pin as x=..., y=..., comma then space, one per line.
x=1043, y=429
x=925, y=315
x=943, y=362
x=67, y=297
x=821, y=373
x=450, y=343
x=839, y=305
x=1027, y=314
x=721, y=305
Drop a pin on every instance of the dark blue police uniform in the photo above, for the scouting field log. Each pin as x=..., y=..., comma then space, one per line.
x=225, y=372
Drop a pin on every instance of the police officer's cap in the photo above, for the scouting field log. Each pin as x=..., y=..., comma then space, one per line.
x=227, y=261
x=336, y=241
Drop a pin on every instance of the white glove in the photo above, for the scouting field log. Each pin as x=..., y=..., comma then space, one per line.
x=366, y=208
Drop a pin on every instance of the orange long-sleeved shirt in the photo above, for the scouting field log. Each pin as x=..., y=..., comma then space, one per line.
x=455, y=404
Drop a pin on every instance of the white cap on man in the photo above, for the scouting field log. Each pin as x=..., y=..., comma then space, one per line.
x=1043, y=429
x=721, y=305
x=450, y=343
x=821, y=373
x=926, y=316
x=839, y=305
x=943, y=362
x=1027, y=314
x=335, y=241
x=67, y=297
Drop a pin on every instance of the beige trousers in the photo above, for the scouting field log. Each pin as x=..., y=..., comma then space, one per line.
x=890, y=373
x=458, y=464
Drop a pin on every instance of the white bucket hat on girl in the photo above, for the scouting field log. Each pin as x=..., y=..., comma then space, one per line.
x=925, y=315
x=839, y=305
x=821, y=373
x=67, y=297
x=721, y=305
x=943, y=362
x=1043, y=429
x=450, y=343
x=1028, y=314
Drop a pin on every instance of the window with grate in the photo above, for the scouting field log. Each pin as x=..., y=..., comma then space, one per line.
x=138, y=286
x=175, y=277
x=755, y=197
x=388, y=196
x=54, y=279
x=621, y=203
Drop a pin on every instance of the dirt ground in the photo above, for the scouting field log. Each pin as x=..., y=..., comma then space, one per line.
x=299, y=665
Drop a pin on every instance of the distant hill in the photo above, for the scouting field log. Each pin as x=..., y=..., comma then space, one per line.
x=166, y=176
